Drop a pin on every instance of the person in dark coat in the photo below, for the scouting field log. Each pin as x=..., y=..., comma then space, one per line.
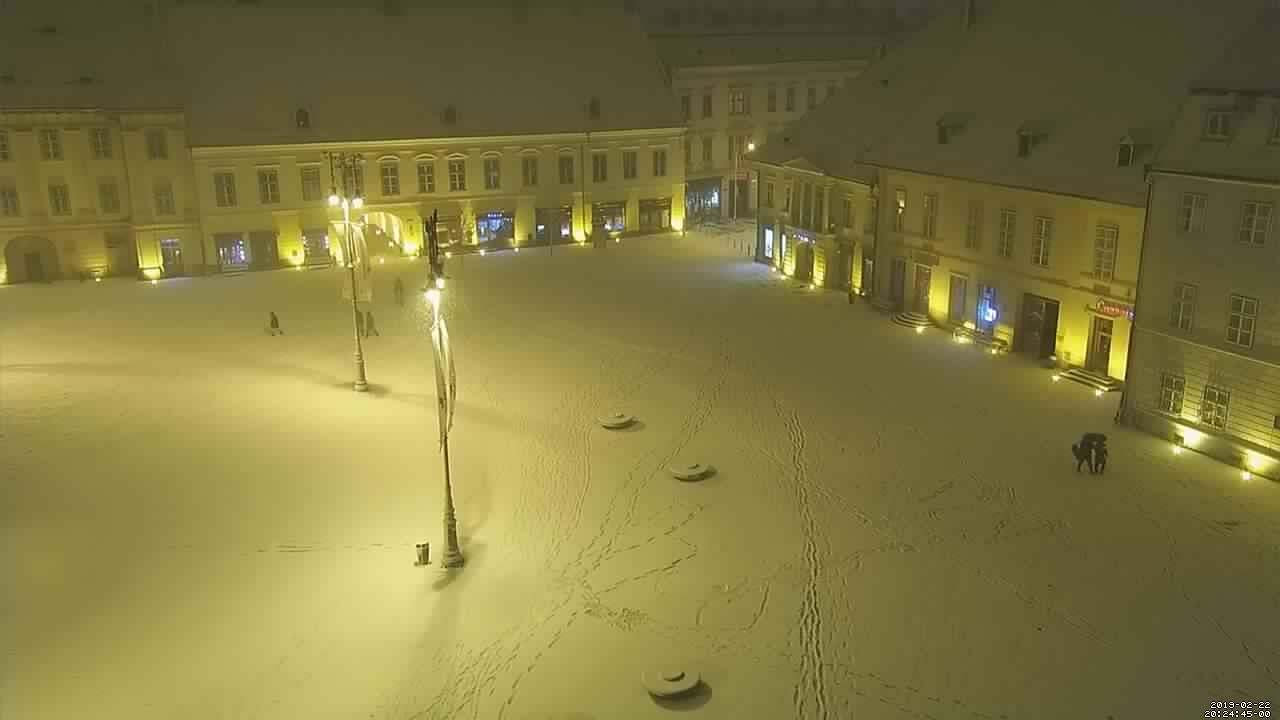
x=370, y=328
x=1093, y=444
x=273, y=324
x=1100, y=458
x=1082, y=456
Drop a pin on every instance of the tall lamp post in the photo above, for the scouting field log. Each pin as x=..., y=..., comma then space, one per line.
x=343, y=167
x=446, y=388
x=737, y=157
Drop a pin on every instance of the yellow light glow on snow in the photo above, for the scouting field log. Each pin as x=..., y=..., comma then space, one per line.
x=440, y=283
x=919, y=329
x=1246, y=475
x=410, y=248
x=151, y=273
x=1056, y=377
x=517, y=249
x=98, y=279
x=1097, y=393
x=482, y=251
x=433, y=295
x=448, y=254
x=153, y=282
x=1191, y=437
x=677, y=224
x=993, y=351
x=1177, y=449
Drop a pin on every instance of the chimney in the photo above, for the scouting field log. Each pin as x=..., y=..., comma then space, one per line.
x=968, y=15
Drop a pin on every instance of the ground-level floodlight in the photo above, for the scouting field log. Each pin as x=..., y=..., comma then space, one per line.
x=669, y=682
x=690, y=472
x=616, y=421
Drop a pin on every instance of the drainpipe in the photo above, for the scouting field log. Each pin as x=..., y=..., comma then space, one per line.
x=1137, y=293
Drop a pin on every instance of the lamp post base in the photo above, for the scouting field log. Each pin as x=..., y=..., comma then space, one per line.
x=360, y=386
x=452, y=558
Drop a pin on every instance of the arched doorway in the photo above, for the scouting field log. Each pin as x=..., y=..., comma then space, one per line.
x=31, y=259
x=386, y=233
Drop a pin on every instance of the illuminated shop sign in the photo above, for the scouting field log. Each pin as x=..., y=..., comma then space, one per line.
x=1111, y=309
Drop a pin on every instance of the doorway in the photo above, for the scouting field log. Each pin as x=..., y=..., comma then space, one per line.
x=898, y=284
x=35, y=267
x=1099, y=356
x=958, y=299
x=868, y=275
x=1038, y=333
x=263, y=252
x=924, y=277
x=171, y=256
x=31, y=259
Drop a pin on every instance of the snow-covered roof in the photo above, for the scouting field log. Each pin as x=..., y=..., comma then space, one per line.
x=363, y=75
x=1078, y=75
x=691, y=51
x=838, y=133
x=1251, y=63
x=73, y=54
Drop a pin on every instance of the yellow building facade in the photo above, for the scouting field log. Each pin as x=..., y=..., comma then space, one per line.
x=94, y=193
x=1053, y=276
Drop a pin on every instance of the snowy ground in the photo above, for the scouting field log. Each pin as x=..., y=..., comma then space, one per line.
x=201, y=521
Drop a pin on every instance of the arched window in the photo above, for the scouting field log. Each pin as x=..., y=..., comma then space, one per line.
x=302, y=119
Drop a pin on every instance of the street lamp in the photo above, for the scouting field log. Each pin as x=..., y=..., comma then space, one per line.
x=443, y=355
x=737, y=157
x=344, y=166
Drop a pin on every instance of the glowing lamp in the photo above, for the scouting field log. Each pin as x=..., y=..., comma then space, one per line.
x=440, y=283
x=334, y=200
x=448, y=254
x=1177, y=449
x=482, y=251
x=1097, y=393
x=357, y=203
x=1056, y=377
x=751, y=147
x=153, y=282
x=993, y=351
x=517, y=249
x=97, y=279
x=382, y=261
x=297, y=267
x=1246, y=475
x=919, y=329
x=433, y=296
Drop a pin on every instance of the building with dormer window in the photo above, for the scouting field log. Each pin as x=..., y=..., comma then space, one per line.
x=1205, y=359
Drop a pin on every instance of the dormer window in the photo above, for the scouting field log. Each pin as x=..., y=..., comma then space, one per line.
x=1030, y=135
x=1132, y=146
x=302, y=119
x=1124, y=155
x=1024, y=145
x=950, y=125
x=1218, y=124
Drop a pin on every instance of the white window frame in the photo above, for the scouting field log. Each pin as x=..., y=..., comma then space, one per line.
x=9, y=206
x=1242, y=320
x=708, y=146
x=224, y=189
x=389, y=177
x=269, y=186
x=1183, y=316
x=599, y=166
x=1255, y=222
x=973, y=226
x=1007, y=239
x=1192, y=214
x=457, y=174
x=929, y=212
x=491, y=166
x=791, y=99
x=739, y=101
x=109, y=196
x=5, y=152
x=686, y=106
x=768, y=194
x=1218, y=124
x=529, y=170
x=100, y=143
x=157, y=144
x=1041, y=240
x=1106, y=244
x=660, y=162
x=1173, y=392
x=811, y=98
x=426, y=174
x=708, y=105
x=310, y=182
x=849, y=217
x=50, y=144
x=162, y=195
x=771, y=102
x=566, y=169
x=59, y=199
x=630, y=164
x=1215, y=406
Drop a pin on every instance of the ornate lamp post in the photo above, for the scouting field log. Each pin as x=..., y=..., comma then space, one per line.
x=343, y=166
x=446, y=388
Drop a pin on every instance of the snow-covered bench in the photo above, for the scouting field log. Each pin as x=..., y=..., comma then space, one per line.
x=995, y=344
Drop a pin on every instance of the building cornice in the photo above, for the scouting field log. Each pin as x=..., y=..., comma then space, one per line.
x=828, y=176
x=1217, y=177
x=575, y=137
x=1007, y=186
x=697, y=71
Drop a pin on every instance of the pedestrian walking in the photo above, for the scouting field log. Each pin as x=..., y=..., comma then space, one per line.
x=1093, y=444
x=370, y=328
x=1100, y=463
x=273, y=324
x=1082, y=456
x=399, y=292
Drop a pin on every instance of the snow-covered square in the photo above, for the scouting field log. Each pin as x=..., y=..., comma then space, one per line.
x=203, y=521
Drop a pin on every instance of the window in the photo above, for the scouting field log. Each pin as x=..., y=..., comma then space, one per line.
x=831, y=89
x=768, y=195
x=686, y=104
x=457, y=175
x=302, y=119
x=1008, y=226
x=310, y=183
x=1041, y=239
x=1184, y=306
x=811, y=97
x=819, y=218
x=1124, y=155
x=163, y=192
x=599, y=167
x=157, y=145
x=688, y=153
x=4, y=145
x=426, y=176
x=900, y=205
x=1213, y=409
x=706, y=104
x=1105, y=241
x=1241, y=321
x=9, y=201
x=659, y=163
x=629, y=164
x=492, y=173
x=771, y=103
x=224, y=189
x=566, y=169
x=786, y=199
x=268, y=186
x=791, y=98
x=848, y=212
x=1275, y=129
x=973, y=228
x=930, y=215
x=109, y=197
x=1172, y=388
x=1191, y=218
x=354, y=176
x=100, y=143
x=707, y=145
x=59, y=199
x=1255, y=223
x=529, y=170
x=1217, y=124
x=50, y=144
x=739, y=102
x=389, y=173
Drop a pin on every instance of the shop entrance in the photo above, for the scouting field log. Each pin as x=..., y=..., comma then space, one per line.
x=1098, y=358
x=924, y=277
x=1038, y=334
